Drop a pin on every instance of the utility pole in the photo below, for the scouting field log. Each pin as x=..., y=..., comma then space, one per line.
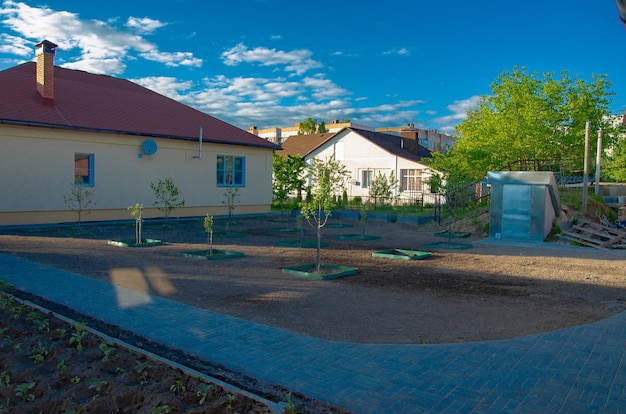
x=586, y=170
x=598, y=161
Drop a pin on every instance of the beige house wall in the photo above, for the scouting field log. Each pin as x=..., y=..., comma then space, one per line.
x=37, y=170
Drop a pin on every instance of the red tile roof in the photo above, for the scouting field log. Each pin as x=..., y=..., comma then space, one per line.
x=84, y=100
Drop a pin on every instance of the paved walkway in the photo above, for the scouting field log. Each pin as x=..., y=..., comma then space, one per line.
x=574, y=370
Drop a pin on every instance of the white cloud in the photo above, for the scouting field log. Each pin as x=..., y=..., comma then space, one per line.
x=403, y=51
x=98, y=66
x=15, y=46
x=165, y=85
x=144, y=25
x=298, y=61
x=323, y=88
x=173, y=59
x=459, y=111
x=287, y=94
x=102, y=47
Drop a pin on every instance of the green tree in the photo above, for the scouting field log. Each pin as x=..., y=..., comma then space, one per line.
x=208, y=228
x=166, y=194
x=231, y=197
x=312, y=126
x=288, y=176
x=383, y=187
x=529, y=122
x=614, y=164
x=136, y=212
x=328, y=179
x=80, y=199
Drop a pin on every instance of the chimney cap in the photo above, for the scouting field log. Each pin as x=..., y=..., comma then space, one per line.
x=47, y=46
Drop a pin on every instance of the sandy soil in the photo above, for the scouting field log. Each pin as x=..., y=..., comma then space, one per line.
x=485, y=292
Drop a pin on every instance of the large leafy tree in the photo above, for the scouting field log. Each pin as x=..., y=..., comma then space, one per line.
x=312, y=126
x=530, y=121
x=288, y=176
x=615, y=167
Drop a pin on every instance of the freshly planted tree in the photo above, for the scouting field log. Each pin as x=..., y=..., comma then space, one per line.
x=136, y=212
x=363, y=219
x=80, y=199
x=231, y=197
x=208, y=227
x=328, y=178
x=166, y=194
x=288, y=176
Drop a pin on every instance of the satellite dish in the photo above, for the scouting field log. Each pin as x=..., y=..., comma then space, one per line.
x=149, y=147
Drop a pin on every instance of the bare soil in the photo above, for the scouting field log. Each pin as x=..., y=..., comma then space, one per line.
x=485, y=292
x=50, y=366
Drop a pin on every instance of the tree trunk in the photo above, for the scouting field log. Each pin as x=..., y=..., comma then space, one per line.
x=318, y=260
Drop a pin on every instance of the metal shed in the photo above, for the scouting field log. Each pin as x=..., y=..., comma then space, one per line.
x=523, y=204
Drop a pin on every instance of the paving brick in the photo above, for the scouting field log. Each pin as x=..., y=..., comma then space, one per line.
x=579, y=369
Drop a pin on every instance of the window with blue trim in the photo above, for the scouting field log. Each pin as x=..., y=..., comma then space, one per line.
x=84, y=169
x=231, y=171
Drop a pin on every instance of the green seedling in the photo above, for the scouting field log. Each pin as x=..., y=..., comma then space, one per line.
x=31, y=316
x=5, y=302
x=77, y=337
x=3, y=333
x=107, y=349
x=160, y=409
x=62, y=366
x=230, y=398
x=17, y=311
x=42, y=324
x=290, y=409
x=119, y=371
x=5, y=379
x=23, y=391
x=40, y=353
x=4, y=285
x=75, y=379
x=178, y=387
x=61, y=332
x=80, y=410
x=141, y=368
x=203, y=391
x=97, y=384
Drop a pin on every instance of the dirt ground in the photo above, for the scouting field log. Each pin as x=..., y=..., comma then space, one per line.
x=488, y=291
x=50, y=366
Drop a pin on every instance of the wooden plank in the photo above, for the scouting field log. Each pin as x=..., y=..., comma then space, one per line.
x=596, y=235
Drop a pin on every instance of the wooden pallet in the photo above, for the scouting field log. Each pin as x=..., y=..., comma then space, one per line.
x=596, y=235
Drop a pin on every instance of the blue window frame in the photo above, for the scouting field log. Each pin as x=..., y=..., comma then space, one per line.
x=231, y=171
x=84, y=169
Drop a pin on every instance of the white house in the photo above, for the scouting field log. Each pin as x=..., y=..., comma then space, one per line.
x=367, y=154
x=58, y=124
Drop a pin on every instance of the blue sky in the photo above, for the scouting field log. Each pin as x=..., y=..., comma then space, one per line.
x=276, y=62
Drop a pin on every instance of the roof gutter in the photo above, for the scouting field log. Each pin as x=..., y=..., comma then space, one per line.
x=140, y=134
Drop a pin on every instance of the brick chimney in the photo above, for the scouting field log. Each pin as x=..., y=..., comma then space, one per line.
x=45, y=51
x=409, y=140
